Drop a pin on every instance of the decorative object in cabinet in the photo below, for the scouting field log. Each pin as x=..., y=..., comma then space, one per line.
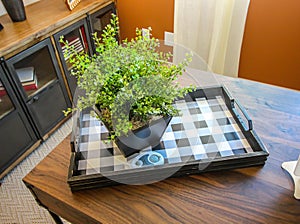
x=98, y=20
x=16, y=133
x=72, y=3
x=40, y=86
x=78, y=36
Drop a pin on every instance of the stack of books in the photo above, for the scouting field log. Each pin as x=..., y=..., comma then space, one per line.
x=77, y=46
x=2, y=90
x=79, y=42
x=27, y=78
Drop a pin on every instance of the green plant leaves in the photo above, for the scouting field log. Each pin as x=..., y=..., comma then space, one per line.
x=128, y=81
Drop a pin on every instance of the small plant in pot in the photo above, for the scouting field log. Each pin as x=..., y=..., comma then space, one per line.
x=132, y=86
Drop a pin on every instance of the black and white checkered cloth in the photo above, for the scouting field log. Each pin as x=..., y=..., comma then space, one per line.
x=205, y=129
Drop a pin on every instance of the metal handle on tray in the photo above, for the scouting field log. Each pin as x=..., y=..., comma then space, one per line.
x=235, y=110
x=75, y=132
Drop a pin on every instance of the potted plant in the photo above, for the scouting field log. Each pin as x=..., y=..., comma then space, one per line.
x=131, y=84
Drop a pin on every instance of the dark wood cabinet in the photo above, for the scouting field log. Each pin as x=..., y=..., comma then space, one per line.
x=39, y=83
x=35, y=81
x=16, y=133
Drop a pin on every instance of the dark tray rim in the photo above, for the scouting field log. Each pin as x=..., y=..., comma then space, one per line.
x=258, y=157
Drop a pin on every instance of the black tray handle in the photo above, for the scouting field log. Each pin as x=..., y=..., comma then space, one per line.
x=75, y=132
x=244, y=113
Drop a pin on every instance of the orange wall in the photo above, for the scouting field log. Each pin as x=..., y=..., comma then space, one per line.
x=158, y=14
x=271, y=45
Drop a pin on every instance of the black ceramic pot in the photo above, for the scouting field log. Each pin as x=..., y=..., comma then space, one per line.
x=143, y=137
x=15, y=9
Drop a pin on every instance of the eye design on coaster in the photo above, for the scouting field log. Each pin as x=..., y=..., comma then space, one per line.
x=147, y=159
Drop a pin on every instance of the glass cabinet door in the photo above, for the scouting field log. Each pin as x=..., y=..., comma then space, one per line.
x=35, y=71
x=37, y=78
x=101, y=18
x=16, y=133
x=76, y=35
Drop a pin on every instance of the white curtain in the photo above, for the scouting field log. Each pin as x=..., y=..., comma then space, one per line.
x=213, y=30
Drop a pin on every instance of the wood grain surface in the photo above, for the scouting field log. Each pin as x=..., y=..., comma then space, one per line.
x=43, y=19
x=262, y=194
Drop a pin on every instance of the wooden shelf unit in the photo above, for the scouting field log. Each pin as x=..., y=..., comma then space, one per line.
x=44, y=18
x=19, y=41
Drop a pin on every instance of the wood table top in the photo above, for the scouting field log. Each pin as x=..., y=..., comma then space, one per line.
x=261, y=194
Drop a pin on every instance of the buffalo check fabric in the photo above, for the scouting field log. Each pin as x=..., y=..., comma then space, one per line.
x=204, y=129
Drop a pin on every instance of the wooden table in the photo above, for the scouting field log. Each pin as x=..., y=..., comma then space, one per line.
x=248, y=195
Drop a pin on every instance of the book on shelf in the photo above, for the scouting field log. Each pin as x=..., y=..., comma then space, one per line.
x=27, y=78
x=73, y=41
x=2, y=91
x=83, y=37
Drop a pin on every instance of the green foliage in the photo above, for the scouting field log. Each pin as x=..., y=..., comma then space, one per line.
x=128, y=82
